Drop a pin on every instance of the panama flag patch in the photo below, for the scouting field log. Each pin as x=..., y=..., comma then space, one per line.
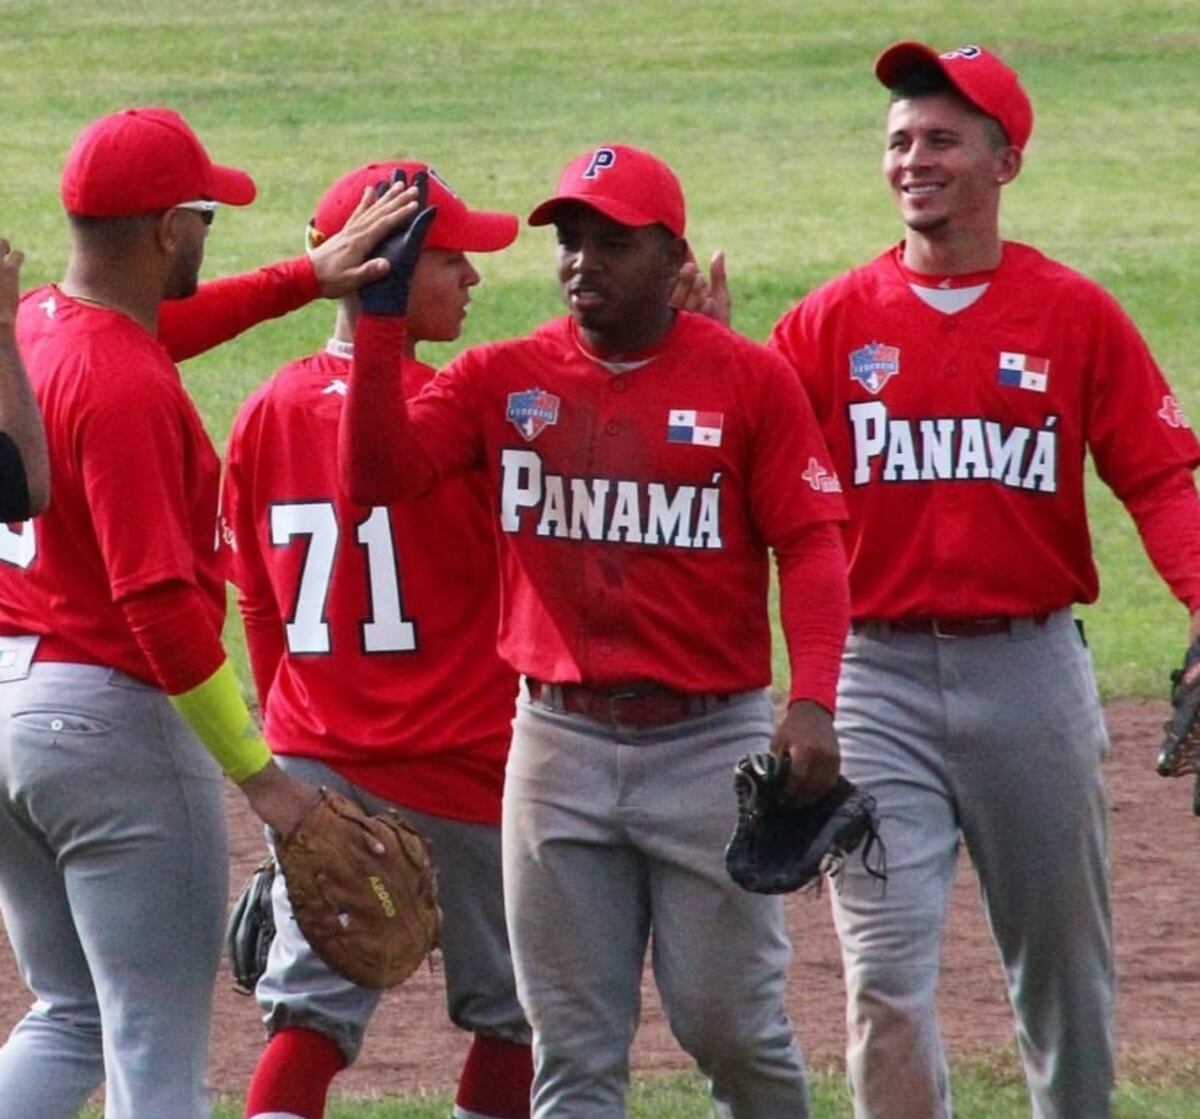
x=701, y=429
x=1024, y=371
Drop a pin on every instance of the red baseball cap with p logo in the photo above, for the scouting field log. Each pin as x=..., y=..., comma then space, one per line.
x=456, y=227
x=626, y=184
x=991, y=86
x=144, y=161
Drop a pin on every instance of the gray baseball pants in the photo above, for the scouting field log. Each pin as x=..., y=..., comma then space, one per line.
x=613, y=839
x=299, y=989
x=113, y=887
x=995, y=742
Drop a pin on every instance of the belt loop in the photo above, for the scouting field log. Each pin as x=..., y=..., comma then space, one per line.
x=1022, y=629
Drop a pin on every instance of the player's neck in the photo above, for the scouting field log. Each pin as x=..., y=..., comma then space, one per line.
x=347, y=318
x=934, y=254
x=112, y=289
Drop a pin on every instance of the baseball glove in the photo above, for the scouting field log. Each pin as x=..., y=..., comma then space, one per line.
x=778, y=846
x=372, y=918
x=1180, y=753
x=251, y=928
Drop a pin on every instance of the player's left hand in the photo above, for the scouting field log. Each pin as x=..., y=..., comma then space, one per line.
x=806, y=736
x=347, y=260
x=693, y=291
x=401, y=248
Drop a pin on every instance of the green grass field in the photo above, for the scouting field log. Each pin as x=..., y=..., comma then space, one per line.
x=767, y=109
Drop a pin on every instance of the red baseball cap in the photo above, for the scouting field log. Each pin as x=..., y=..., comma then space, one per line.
x=143, y=161
x=991, y=86
x=455, y=227
x=626, y=184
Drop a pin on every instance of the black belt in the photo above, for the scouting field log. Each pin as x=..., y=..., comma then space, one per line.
x=640, y=705
x=948, y=627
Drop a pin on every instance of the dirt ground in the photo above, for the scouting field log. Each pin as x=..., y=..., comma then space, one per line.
x=1155, y=839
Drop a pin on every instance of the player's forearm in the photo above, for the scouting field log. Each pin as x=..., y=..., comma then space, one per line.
x=1167, y=516
x=814, y=609
x=264, y=645
x=184, y=650
x=378, y=461
x=21, y=420
x=222, y=309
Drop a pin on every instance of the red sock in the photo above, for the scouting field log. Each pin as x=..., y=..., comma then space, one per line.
x=495, y=1080
x=293, y=1075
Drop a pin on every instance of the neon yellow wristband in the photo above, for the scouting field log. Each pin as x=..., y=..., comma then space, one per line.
x=217, y=713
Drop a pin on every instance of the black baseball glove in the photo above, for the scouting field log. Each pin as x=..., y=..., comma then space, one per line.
x=779, y=846
x=401, y=249
x=1180, y=753
x=251, y=928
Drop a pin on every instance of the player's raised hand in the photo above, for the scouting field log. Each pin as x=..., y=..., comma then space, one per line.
x=709, y=295
x=348, y=259
x=401, y=248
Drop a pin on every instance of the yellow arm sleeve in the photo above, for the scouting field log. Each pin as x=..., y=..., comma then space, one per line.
x=218, y=714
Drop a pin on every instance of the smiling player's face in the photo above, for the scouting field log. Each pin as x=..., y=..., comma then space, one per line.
x=943, y=164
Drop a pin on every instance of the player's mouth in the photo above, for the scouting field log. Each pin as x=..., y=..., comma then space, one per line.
x=582, y=297
x=920, y=190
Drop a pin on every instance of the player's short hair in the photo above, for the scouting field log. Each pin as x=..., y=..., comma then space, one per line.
x=927, y=80
x=111, y=234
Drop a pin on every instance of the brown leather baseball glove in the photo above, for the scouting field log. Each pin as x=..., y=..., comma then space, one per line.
x=371, y=917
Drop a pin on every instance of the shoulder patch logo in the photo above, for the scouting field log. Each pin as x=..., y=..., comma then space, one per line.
x=874, y=365
x=532, y=411
x=820, y=479
x=1171, y=414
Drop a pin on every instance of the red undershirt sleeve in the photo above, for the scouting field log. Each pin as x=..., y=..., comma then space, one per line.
x=264, y=645
x=814, y=609
x=377, y=462
x=222, y=309
x=174, y=630
x=1167, y=516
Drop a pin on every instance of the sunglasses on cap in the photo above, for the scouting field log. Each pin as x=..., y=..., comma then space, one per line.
x=202, y=206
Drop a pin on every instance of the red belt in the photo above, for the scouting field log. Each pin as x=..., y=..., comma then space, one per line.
x=628, y=705
x=948, y=627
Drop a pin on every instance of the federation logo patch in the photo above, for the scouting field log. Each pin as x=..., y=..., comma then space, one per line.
x=874, y=365
x=532, y=411
x=700, y=429
x=1024, y=371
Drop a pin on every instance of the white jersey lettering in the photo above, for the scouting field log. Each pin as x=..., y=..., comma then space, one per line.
x=936, y=449
x=619, y=512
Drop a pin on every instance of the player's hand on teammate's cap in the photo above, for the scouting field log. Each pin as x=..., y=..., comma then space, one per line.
x=706, y=295
x=348, y=259
x=807, y=736
x=401, y=248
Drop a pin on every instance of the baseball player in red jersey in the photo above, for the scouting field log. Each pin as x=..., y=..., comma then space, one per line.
x=960, y=381
x=643, y=463
x=372, y=636
x=24, y=467
x=113, y=680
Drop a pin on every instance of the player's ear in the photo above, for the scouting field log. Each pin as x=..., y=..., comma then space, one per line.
x=166, y=230
x=675, y=251
x=1011, y=162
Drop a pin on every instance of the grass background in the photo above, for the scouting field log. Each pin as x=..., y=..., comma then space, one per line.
x=766, y=108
